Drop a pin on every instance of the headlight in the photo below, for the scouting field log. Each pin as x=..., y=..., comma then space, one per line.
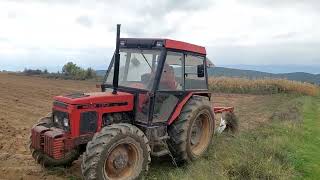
x=61, y=120
x=66, y=122
x=56, y=119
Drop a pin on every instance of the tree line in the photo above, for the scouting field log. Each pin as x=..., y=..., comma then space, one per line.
x=69, y=71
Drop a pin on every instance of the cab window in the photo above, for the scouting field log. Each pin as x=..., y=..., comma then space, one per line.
x=171, y=76
x=192, y=78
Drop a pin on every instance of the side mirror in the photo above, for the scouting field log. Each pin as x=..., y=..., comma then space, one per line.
x=200, y=70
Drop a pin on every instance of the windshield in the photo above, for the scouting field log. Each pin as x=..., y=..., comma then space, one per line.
x=137, y=68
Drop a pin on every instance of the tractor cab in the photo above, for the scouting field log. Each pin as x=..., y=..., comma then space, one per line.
x=160, y=73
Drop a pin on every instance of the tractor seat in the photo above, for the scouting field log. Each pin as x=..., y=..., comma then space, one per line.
x=168, y=80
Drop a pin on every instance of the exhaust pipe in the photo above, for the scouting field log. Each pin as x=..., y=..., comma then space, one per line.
x=116, y=62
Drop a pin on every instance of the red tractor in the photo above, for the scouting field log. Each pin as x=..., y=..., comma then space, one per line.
x=154, y=101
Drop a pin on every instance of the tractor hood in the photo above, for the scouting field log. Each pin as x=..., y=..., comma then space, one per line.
x=96, y=98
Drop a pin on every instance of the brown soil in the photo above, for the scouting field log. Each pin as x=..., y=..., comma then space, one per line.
x=23, y=100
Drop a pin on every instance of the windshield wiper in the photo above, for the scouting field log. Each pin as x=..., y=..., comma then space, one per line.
x=144, y=57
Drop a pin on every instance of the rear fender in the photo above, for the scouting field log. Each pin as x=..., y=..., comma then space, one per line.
x=181, y=104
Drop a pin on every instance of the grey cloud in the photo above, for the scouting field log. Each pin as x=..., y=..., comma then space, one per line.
x=310, y=4
x=151, y=16
x=85, y=21
x=45, y=1
x=150, y=27
x=282, y=53
x=152, y=12
x=160, y=8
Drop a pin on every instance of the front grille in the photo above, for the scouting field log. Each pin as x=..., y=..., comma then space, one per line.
x=54, y=144
x=50, y=141
x=38, y=136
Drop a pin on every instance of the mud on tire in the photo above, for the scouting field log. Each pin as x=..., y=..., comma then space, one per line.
x=118, y=151
x=181, y=131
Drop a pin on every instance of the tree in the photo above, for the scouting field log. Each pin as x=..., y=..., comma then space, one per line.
x=90, y=73
x=75, y=72
x=70, y=69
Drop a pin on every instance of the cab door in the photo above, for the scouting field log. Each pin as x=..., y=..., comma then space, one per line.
x=170, y=88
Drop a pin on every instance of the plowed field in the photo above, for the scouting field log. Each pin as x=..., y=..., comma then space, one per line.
x=24, y=99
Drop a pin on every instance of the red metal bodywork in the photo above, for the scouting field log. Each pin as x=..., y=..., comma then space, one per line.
x=37, y=133
x=49, y=140
x=218, y=110
x=101, y=102
x=173, y=44
x=55, y=142
x=96, y=97
x=54, y=145
x=179, y=107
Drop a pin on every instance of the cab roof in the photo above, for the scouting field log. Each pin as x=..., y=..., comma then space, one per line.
x=167, y=43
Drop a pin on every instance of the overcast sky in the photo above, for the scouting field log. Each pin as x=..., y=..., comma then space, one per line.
x=47, y=33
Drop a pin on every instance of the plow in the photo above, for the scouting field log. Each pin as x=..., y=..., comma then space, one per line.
x=154, y=101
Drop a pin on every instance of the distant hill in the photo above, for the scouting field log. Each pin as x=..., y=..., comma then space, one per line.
x=275, y=69
x=100, y=72
x=251, y=74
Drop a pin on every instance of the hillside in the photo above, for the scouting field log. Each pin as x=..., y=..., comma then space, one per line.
x=100, y=72
x=297, y=76
x=251, y=74
x=278, y=68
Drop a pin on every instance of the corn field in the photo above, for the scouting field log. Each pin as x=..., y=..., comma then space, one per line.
x=261, y=86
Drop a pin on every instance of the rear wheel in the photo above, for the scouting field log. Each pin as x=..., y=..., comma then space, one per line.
x=191, y=134
x=118, y=151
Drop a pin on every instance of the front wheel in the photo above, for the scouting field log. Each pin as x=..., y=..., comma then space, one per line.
x=118, y=151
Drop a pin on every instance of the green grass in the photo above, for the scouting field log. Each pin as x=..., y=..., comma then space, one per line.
x=286, y=148
x=307, y=157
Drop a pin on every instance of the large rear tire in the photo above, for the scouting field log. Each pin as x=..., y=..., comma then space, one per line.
x=45, y=160
x=191, y=134
x=119, y=151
